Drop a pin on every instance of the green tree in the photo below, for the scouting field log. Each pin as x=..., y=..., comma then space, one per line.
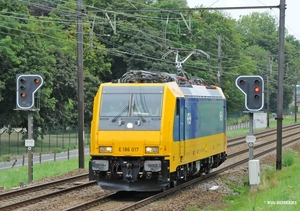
x=261, y=29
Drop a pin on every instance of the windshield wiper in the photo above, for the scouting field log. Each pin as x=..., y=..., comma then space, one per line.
x=119, y=114
x=139, y=114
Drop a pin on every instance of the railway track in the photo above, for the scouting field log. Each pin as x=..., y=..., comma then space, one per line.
x=259, y=135
x=28, y=195
x=288, y=139
x=294, y=135
x=113, y=201
x=133, y=206
x=15, y=199
x=292, y=138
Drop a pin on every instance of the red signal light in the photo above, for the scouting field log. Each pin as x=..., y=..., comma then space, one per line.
x=36, y=80
x=256, y=89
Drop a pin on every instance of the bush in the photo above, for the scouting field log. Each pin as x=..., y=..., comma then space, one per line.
x=5, y=158
x=288, y=157
x=237, y=120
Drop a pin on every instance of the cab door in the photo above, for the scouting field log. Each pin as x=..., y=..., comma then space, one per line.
x=181, y=107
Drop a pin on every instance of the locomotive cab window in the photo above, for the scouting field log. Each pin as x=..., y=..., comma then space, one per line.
x=133, y=103
x=128, y=108
x=114, y=104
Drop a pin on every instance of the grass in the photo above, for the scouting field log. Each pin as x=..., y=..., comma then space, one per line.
x=10, y=178
x=288, y=157
x=277, y=191
x=276, y=187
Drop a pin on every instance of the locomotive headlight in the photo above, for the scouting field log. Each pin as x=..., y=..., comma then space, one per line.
x=105, y=149
x=151, y=149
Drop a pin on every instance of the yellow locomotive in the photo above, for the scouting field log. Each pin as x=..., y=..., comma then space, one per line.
x=148, y=136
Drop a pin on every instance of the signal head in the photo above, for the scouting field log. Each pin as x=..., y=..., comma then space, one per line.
x=26, y=87
x=252, y=87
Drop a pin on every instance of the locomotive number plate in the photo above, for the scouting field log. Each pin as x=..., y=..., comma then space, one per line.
x=128, y=149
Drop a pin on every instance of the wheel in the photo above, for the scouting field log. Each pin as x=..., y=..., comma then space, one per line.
x=173, y=183
x=207, y=171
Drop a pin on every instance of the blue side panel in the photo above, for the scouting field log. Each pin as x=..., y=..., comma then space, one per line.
x=202, y=117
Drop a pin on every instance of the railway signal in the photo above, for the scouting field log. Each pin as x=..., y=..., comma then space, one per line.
x=27, y=85
x=252, y=86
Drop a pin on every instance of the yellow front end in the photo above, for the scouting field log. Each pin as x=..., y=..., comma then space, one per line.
x=130, y=148
x=133, y=142
x=127, y=143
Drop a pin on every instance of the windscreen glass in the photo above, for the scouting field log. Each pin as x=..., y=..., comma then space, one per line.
x=147, y=104
x=113, y=104
x=131, y=104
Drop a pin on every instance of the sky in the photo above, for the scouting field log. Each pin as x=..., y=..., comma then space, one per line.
x=292, y=12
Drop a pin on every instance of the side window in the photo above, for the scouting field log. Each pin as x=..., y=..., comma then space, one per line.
x=177, y=107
